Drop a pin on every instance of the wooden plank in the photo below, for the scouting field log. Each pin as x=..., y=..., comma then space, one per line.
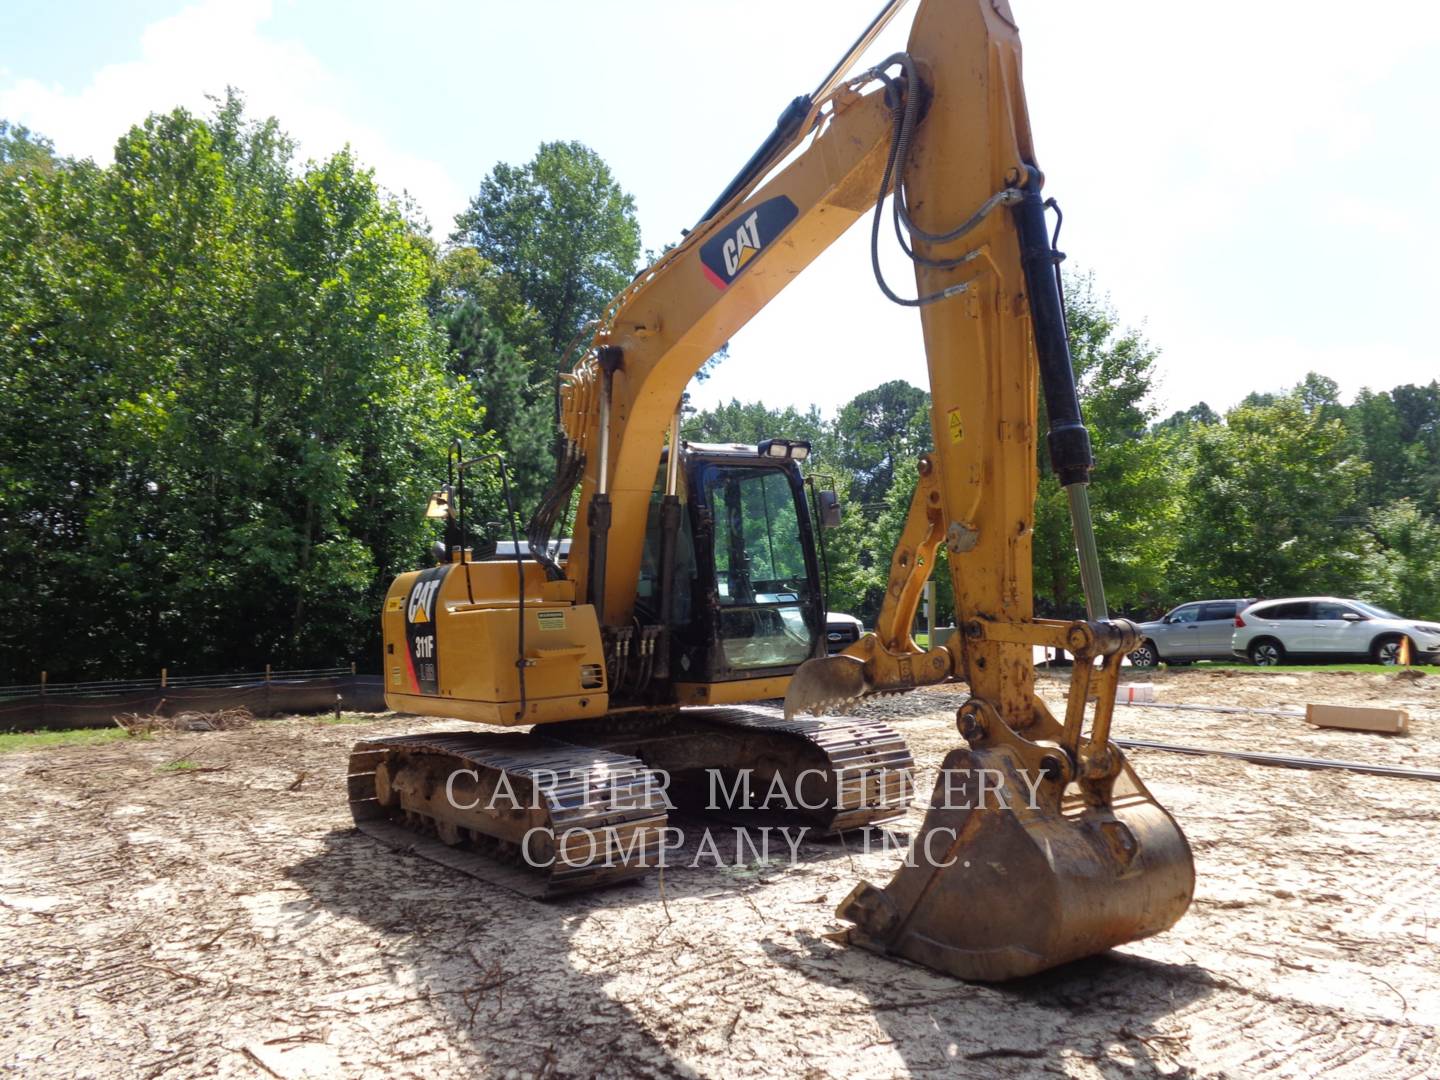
x=1356, y=718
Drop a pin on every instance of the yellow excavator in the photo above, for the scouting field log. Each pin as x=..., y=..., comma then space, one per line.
x=636, y=655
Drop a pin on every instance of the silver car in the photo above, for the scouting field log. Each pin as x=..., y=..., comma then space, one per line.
x=1330, y=628
x=1200, y=630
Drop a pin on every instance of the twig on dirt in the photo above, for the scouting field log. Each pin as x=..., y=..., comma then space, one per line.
x=690, y=970
x=1003, y=1052
x=176, y=974
x=256, y=1059
x=299, y=779
x=745, y=895
x=663, y=903
x=219, y=720
x=495, y=979
x=183, y=766
x=1152, y=1040
x=734, y=1023
x=230, y=926
x=1404, y=1005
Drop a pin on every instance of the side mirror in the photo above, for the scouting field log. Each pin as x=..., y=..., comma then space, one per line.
x=830, y=514
x=1172, y=620
x=1353, y=616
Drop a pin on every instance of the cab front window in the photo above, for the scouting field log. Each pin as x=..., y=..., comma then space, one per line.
x=766, y=599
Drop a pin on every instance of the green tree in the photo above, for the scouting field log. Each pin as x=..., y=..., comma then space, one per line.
x=1136, y=512
x=878, y=430
x=482, y=320
x=1273, y=501
x=22, y=150
x=1400, y=430
x=752, y=422
x=563, y=229
x=1404, y=572
x=222, y=402
x=1184, y=418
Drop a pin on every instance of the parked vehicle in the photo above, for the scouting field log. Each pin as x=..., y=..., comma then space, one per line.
x=1330, y=628
x=1199, y=630
x=841, y=631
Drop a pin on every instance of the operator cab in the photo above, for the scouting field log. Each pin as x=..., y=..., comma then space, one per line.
x=748, y=598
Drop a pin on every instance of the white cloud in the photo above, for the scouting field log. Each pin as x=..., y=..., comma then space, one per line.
x=200, y=51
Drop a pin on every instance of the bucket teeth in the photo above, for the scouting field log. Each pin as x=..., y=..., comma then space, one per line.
x=825, y=684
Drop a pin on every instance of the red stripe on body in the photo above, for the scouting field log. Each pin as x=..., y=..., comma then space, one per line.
x=410, y=662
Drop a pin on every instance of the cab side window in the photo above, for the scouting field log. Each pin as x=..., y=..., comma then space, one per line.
x=1186, y=614
x=1217, y=612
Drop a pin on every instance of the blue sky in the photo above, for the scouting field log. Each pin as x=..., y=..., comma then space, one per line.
x=1257, y=186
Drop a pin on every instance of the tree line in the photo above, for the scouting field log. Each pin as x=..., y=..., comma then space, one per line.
x=1289, y=492
x=229, y=378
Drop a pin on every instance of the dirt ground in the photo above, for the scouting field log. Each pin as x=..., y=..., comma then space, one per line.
x=226, y=919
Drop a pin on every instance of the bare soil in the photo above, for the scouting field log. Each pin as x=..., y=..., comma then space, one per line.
x=198, y=904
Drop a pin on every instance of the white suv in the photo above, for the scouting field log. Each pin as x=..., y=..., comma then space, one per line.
x=1330, y=628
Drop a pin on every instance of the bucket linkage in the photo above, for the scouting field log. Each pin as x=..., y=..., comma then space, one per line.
x=1038, y=847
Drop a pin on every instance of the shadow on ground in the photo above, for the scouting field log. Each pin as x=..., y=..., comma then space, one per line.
x=1104, y=1010
x=495, y=966
x=500, y=973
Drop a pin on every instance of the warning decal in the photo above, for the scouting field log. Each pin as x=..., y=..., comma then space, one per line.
x=957, y=426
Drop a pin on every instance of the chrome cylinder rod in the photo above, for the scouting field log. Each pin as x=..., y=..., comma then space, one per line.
x=672, y=460
x=1084, y=529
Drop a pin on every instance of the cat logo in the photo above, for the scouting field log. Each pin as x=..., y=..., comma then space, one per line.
x=421, y=656
x=422, y=601
x=735, y=245
x=744, y=246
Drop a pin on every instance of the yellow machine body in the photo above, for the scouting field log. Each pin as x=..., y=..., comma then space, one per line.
x=1088, y=860
x=453, y=633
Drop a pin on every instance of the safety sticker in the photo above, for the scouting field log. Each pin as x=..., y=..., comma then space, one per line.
x=957, y=426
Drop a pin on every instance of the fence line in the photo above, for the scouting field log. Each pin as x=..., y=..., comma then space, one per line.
x=166, y=681
x=281, y=693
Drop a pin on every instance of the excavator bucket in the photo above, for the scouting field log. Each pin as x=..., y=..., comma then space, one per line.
x=1018, y=868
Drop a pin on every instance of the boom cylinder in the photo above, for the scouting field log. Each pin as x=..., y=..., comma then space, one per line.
x=598, y=515
x=669, y=531
x=1068, y=440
